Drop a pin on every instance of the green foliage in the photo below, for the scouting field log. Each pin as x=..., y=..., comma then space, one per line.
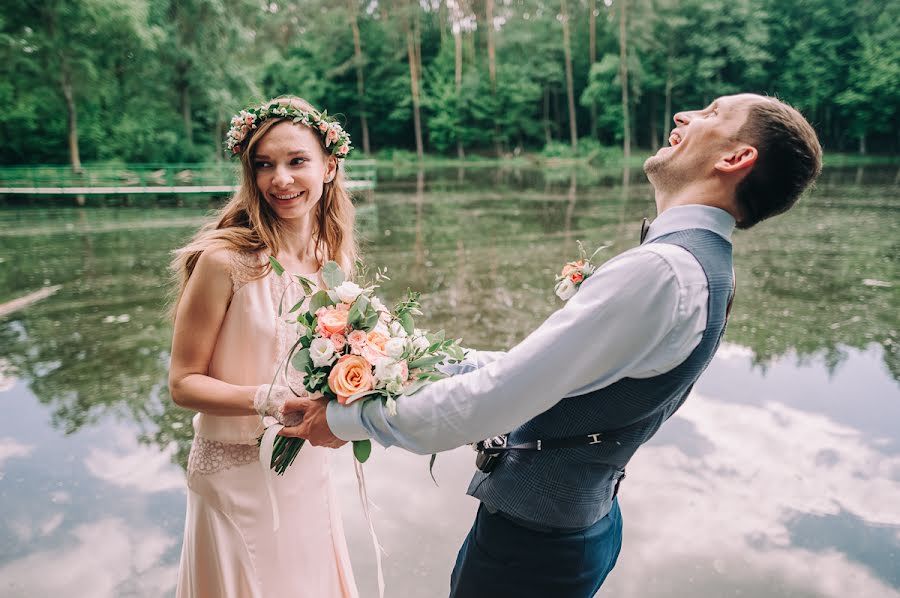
x=158, y=81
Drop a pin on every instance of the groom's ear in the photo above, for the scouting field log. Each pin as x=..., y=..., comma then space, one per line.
x=740, y=159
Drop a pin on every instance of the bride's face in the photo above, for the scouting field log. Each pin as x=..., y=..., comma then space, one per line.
x=291, y=168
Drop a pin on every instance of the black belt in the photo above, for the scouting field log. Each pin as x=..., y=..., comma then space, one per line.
x=541, y=445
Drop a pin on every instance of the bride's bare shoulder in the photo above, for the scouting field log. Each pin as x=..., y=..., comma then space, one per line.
x=240, y=267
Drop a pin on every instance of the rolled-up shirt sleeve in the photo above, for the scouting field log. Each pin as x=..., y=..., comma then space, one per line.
x=620, y=314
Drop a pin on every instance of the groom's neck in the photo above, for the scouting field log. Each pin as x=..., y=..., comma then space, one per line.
x=704, y=193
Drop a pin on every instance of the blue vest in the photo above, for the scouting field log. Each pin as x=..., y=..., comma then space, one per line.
x=573, y=487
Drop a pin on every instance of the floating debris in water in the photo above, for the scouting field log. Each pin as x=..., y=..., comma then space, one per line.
x=116, y=319
x=872, y=282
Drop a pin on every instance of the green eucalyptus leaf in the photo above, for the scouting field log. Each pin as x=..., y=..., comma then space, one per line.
x=319, y=300
x=362, y=449
x=407, y=322
x=306, y=283
x=332, y=274
x=279, y=269
x=354, y=316
x=301, y=360
x=424, y=362
x=371, y=321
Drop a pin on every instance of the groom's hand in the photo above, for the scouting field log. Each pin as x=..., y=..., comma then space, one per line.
x=314, y=426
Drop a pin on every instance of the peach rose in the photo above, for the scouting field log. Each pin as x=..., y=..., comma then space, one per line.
x=333, y=321
x=572, y=266
x=350, y=375
x=576, y=277
x=377, y=339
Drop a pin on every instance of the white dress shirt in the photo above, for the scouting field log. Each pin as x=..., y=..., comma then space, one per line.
x=639, y=315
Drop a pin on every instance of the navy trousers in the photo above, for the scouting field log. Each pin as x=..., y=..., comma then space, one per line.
x=501, y=559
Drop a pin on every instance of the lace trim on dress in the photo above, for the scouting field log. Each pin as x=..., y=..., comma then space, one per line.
x=210, y=456
x=244, y=268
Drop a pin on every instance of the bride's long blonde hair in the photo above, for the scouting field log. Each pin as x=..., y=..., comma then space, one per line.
x=247, y=223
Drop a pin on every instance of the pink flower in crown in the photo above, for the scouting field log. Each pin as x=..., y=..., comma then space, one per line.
x=323, y=126
x=344, y=150
x=239, y=135
x=237, y=121
x=331, y=136
x=357, y=340
x=236, y=149
x=249, y=119
x=338, y=340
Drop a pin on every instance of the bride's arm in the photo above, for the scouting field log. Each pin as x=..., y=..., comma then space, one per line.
x=197, y=322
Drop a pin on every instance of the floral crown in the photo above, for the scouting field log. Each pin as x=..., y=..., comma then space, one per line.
x=337, y=140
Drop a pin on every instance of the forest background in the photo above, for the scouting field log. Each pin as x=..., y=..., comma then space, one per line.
x=157, y=80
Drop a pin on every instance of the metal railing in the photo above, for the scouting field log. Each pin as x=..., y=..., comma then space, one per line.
x=105, y=179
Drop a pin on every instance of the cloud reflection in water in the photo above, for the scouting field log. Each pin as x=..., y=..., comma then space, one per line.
x=102, y=559
x=723, y=519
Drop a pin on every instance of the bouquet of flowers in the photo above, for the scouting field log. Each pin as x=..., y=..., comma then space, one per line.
x=576, y=272
x=351, y=347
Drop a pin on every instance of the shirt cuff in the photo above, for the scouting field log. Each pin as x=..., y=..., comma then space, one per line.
x=345, y=421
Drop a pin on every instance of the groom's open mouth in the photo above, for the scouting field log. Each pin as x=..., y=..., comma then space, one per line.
x=675, y=138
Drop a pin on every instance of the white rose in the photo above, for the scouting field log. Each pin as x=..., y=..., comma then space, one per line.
x=377, y=304
x=395, y=347
x=321, y=351
x=389, y=370
x=348, y=291
x=565, y=289
x=381, y=328
x=421, y=343
x=397, y=329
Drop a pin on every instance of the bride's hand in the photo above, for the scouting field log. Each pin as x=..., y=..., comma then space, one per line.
x=270, y=399
x=314, y=426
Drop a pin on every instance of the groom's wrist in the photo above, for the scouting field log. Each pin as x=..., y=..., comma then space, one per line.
x=345, y=421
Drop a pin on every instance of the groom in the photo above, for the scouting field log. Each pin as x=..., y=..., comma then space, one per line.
x=597, y=379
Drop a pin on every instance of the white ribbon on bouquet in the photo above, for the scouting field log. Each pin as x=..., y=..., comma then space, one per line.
x=267, y=446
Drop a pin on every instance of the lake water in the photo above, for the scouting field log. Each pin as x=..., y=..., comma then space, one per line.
x=780, y=477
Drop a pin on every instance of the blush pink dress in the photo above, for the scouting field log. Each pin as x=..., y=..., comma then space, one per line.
x=230, y=550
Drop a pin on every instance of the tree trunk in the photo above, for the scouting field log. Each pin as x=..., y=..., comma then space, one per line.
x=492, y=64
x=862, y=144
x=548, y=138
x=592, y=44
x=360, y=79
x=69, y=95
x=623, y=75
x=670, y=83
x=185, y=99
x=570, y=91
x=414, y=87
x=457, y=78
x=654, y=137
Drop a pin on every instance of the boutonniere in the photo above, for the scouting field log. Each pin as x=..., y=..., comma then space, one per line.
x=574, y=273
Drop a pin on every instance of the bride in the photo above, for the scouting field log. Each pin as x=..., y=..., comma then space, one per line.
x=227, y=344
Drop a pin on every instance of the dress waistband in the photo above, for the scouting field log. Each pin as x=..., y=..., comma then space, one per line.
x=241, y=429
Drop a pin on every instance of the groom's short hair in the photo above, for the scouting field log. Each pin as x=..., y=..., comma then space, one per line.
x=789, y=158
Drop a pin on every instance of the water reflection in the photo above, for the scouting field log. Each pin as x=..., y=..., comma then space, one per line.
x=784, y=462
